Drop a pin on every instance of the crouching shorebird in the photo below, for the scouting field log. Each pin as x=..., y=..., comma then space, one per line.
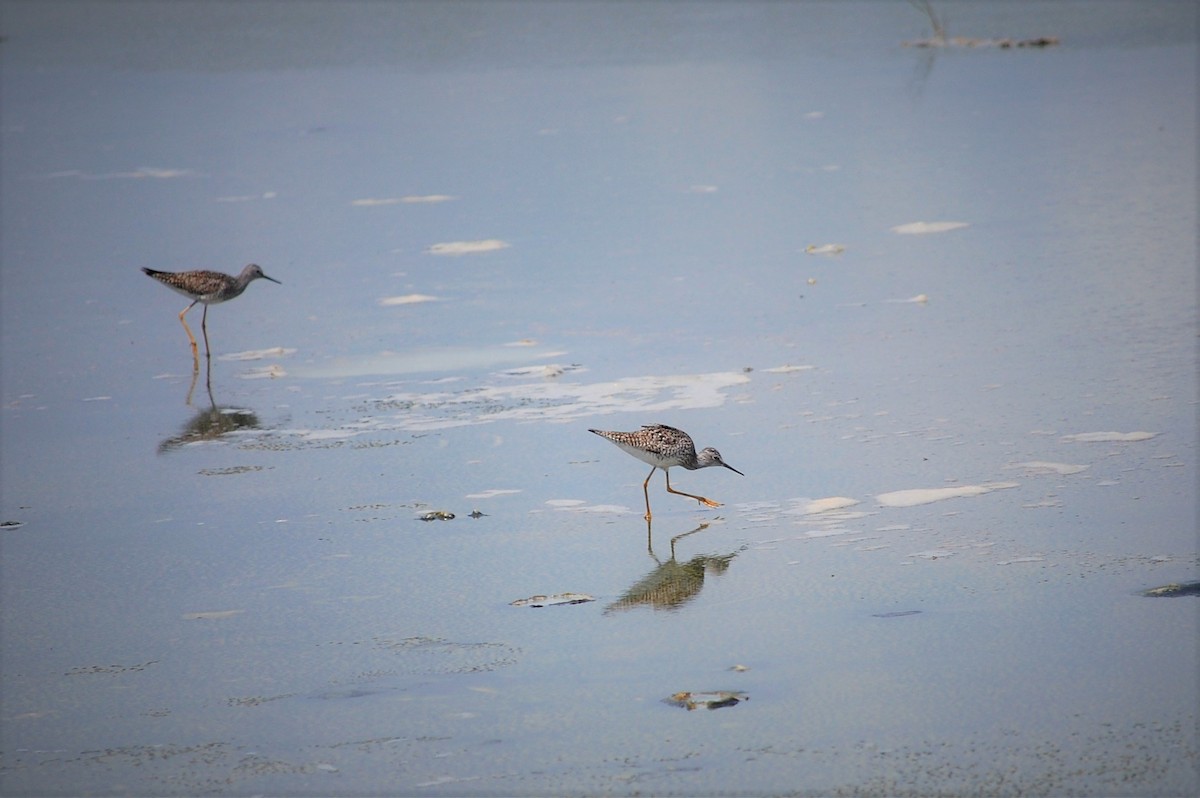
x=211, y=288
x=663, y=447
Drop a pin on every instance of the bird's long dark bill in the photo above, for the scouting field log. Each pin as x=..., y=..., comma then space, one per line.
x=272, y=279
x=731, y=468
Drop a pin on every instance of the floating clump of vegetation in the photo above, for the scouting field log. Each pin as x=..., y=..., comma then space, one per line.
x=1174, y=589
x=940, y=39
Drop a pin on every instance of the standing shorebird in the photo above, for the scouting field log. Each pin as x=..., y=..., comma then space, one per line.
x=663, y=447
x=211, y=288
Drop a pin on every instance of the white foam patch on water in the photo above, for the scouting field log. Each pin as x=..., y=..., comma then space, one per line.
x=266, y=195
x=258, y=354
x=327, y=434
x=140, y=173
x=407, y=299
x=491, y=493
x=1045, y=467
x=787, y=369
x=264, y=373
x=924, y=228
x=616, y=509
x=933, y=554
x=825, y=505
x=1107, y=437
x=583, y=507
x=415, y=361
x=916, y=496
x=468, y=247
x=548, y=371
x=559, y=401
x=425, y=199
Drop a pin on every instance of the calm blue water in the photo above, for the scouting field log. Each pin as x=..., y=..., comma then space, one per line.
x=498, y=225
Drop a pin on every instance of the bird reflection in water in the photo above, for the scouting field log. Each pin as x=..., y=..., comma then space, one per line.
x=672, y=584
x=210, y=423
x=207, y=384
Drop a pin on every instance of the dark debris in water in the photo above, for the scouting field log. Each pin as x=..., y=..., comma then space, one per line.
x=431, y=655
x=941, y=39
x=1174, y=589
x=553, y=601
x=228, y=471
x=970, y=41
x=446, y=515
x=715, y=699
x=111, y=670
x=255, y=700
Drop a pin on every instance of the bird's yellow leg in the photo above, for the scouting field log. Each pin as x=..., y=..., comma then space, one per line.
x=646, y=491
x=191, y=338
x=701, y=499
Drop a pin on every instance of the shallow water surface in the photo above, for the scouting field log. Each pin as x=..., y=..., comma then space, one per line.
x=938, y=305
